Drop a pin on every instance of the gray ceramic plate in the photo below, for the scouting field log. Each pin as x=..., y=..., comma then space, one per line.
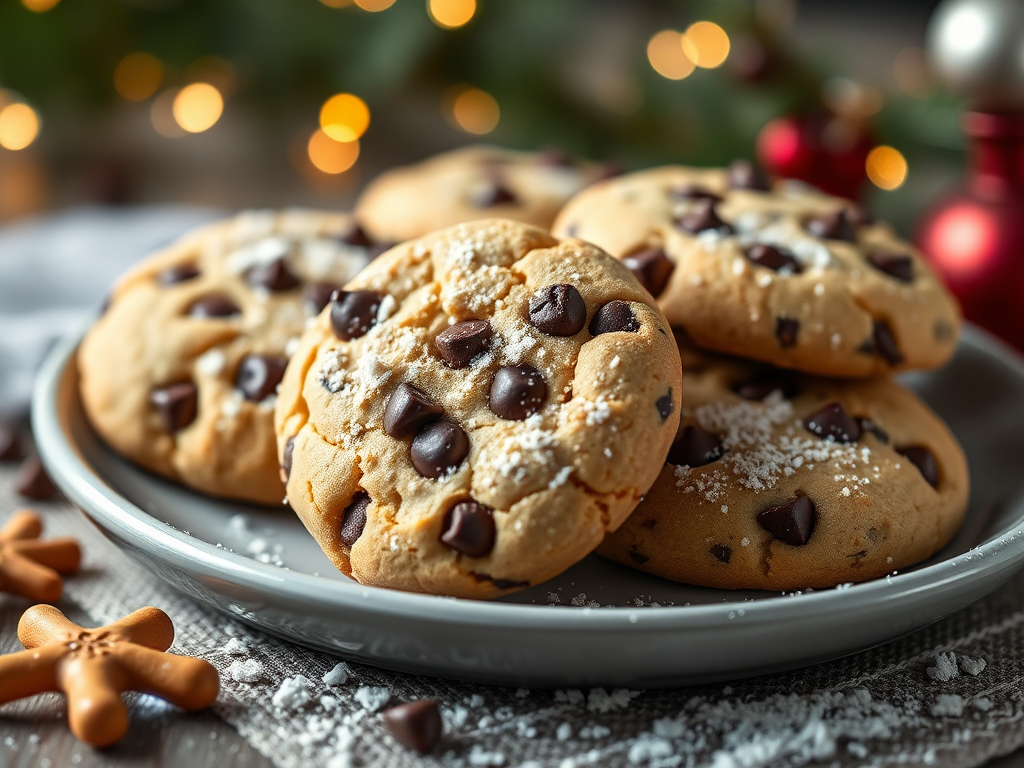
x=598, y=623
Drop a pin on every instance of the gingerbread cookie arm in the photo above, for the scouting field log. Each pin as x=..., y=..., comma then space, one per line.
x=41, y=624
x=22, y=525
x=62, y=555
x=27, y=673
x=148, y=626
x=93, y=688
x=21, y=576
x=184, y=681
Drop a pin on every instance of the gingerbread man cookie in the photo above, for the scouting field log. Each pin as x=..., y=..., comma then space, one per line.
x=32, y=568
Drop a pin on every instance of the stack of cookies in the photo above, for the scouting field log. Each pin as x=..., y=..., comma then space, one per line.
x=485, y=403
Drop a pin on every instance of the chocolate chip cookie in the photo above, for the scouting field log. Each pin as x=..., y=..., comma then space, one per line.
x=476, y=410
x=782, y=481
x=787, y=275
x=472, y=183
x=180, y=372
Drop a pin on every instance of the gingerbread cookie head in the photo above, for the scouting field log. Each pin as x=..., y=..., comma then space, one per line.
x=476, y=410
x=32, y=568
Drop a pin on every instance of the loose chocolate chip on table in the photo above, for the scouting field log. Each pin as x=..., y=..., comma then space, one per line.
x=638, y=558
x=743, y=174
x=868, y=426
x=460, y=343
x=762, y=385
x=924, y=460
x=774, y=258
x=700, y=217
x=177, y=404
x=353, y=519
x=786, y=330
x=355, y=235
x=664, y=405
x=517, y=392
x=649, y=524
x=833, y=422
x=353, y=313
x=885, y=343
x=416, y=725
x=318, y=295
x=695, y=447
x=792, y=522
x=274, y=276
x=259, y=375
x=407, y=410
x=214, y=305
x=10, y=445
x=897, y=265
x=469, y=529
x=493, y=194
x=834, y=225
x=721, y=552
x=613, y=317
x=286, y=459
x=693, y=192
x=651, y=267
x=179, y=273
x=32, y=481
x=558, y=310
x=438, y=448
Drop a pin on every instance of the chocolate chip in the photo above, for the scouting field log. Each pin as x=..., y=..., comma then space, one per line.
x=353, y=313
x=416, y=725
x=499, y=582
x=558, y=310
x=10, y=445
x=743, y=174
x=652, y=268
x=353, y=519
x=355, y=235
x=664, y=405
x=943, y=330
x=885, y=343
x=286, y=459
x=695, y=447
x=924, y=460
x=721, y=552
x=274, y=276
x=693, y=192
x=792, y=522
x=638, y=558
x=700, y=217
x=438, y=449
x=867, y=347
x=834, y=225
x=493, y=194
x=774, y=258
x=762, y=385
x=867, y=426
x=214, y=305
x=860, y=216
x=786, y=330
x=460, y=343
x=318, y=295
x=177, y=404
x=32, y=481
x=833, y=422
x=897, y=265
x=469, y=529
x=517, y=392
x=258, y=375
x=613, y=317
x=178, y=273
x=407, y=410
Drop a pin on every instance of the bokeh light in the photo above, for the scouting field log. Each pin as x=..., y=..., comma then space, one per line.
x=214, y=70
x=667, y=57
x=344, y=117
x=19, y=126
x=373, y=6
x=331, y=156
x=197, y=107
x=962, y=241
x=451, y=13
x=336, y=3
x=472, y=110
x=138, y=75
x=39, y=6
x=706, y=44
x=886, y=167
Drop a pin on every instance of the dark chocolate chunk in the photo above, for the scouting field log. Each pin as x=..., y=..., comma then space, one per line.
x=178, y=273
x=407, y=410
x=177, y=404
x=318, y=295
x=721, y=552
x=416, y=725
x=558, y=310
x=286, y=459
x=214, y=305
x=693, y=192
x=652, y=268
x=792, y=522
x=859, y=216
x=355, y=235
x=743, y=174
x=832, y=422
x=867, y=426
x=517, y=392
x=10, y=445
x=460, y=343
x=834, y=225
x=695, y=447
x=867, y=347
x=353, y=313
x=924, y=460
x=885, y=343
x=897, y=265
x=943, y=330
x=774, y=258
x=274, y=276
x=353, y=519
x=32, y=482
x=258, y=375
x=786, y=330
x=664, y=405
x=763, y=384
x=438, y=448
x=469, y=529
x=638, y=558
x=499, y=582
x=495, y=193
x=700, y=217
x=614, y=316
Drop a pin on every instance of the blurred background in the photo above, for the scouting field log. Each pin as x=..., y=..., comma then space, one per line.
x=232, y=103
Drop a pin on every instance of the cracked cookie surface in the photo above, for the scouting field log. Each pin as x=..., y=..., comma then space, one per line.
x=477, y=410
x=790, y=276
x=180, y=372
x=782, y=481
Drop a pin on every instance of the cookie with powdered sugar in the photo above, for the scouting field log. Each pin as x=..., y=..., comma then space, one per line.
x=477, y=410
x=782, y=481
x=787, y=275
x=180, y=372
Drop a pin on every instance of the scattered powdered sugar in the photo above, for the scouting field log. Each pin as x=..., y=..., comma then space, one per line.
x=530, y=443
x=972, y=667
x=339, y=675
x=945, y=668
x=292, y=694
x=560, y=478
x=386, y=308
x=211, y=362
x=602, y=701
x=372, y=697
x=245, y=671
x=947, y=705
x=360, y=384
x=598, y=411
x=263, y=251
x=235, y=647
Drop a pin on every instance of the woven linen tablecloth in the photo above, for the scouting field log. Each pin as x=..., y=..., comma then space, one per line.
x=949, y=695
